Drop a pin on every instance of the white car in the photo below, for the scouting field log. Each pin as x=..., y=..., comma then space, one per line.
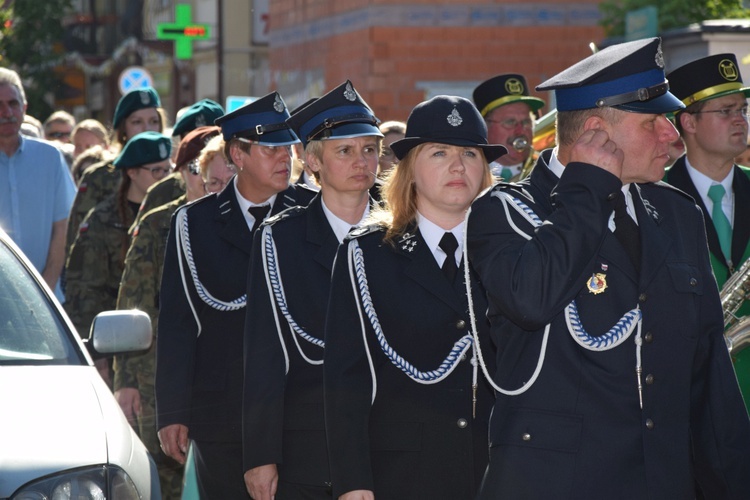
x=62, y=434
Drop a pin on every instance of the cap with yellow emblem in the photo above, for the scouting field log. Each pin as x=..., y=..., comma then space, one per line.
x=504, y=89
x=707, y=78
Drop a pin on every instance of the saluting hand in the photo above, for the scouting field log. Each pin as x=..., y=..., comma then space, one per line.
x=261, y=482
x=174, y=441
x=596, y=148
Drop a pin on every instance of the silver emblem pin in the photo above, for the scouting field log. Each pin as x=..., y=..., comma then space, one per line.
x=162, y=150
x=349, y=93
x=200, y=121
x=454, y=118
x=659, y=57
x=278, y=104
x=144, y=97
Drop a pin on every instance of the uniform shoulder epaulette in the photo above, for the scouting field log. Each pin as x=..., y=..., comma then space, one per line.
x=285, y=214
x=364, y=230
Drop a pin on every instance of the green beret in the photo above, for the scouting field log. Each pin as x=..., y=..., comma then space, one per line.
x=201, y=114
x=142, y=149
x=133, y=101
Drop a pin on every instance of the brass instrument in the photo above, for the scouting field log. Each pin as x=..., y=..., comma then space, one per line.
x=733, y=294
x=543, y=138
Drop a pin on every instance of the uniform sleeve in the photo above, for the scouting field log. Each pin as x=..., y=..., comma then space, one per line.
x=265, y=370
x=138, y=290
x=89, y=289
x=529, y=281
x=720, y=427
x=176, y=339
x=348, y=385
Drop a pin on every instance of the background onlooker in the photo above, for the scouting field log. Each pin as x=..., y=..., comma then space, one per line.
x=88, y=133
x=58, y=126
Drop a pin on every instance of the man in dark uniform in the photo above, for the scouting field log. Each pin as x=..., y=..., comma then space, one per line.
x=612, y=374
x=509, y=111
x=203, y=297
x=714, y=128
x=284, y=440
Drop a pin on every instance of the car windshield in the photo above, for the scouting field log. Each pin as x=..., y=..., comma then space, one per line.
x=31, y=329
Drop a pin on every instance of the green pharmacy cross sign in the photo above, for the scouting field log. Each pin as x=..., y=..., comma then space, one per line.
x=183, y=31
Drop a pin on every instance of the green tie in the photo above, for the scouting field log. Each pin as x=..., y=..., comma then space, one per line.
x=721, y=223
x=506, y=174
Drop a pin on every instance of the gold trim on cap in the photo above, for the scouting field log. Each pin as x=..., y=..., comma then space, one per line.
x=509, y=98
x=712, y=91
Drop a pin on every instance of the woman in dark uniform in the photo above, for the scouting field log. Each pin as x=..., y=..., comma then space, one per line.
x=283, y=429
x=203, y=297
x=406, y=410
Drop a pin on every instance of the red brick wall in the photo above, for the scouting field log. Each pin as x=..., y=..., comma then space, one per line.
x=386, y=61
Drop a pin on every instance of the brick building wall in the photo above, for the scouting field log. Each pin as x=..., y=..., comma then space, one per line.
x=399, y=54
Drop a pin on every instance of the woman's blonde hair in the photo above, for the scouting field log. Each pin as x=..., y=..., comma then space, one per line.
x=213, y=148
x=400, y=196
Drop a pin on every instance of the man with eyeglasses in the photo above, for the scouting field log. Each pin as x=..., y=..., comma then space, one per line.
x=714, y=127
x=59, y=127
x=508, y=109
x=203, y=297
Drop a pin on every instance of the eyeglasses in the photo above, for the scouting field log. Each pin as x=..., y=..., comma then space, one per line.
x=267, y=150
x=158, y=172
x=725, y=113
x=512, y=123
x=58, y=135
x=214, y=185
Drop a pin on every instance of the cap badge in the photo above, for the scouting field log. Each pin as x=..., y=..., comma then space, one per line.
x=349, y=93
x=145, y=98
x=200, y=121
x=728, y=70
x=408, y=242
x=278, y=104
x=514, y=86
x=597, y=283
x=659, y=59
x=162, y=150
x=454, y=118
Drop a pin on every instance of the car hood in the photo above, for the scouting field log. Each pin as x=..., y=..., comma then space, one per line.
x=56, y=418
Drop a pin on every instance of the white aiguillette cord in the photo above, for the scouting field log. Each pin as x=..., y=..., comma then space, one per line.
x=632, y=320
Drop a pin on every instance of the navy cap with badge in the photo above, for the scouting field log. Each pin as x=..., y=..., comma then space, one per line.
x=200, y=114
x=262, y=121
x=133, y=101
x=339, y=114
x=707, y=78
x=504, y=89
x=628, y=76
x=447, y=120
x=142, y=149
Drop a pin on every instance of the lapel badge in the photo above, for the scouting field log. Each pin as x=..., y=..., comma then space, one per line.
x=651, y=210
x=408, y=242
x=597, y=283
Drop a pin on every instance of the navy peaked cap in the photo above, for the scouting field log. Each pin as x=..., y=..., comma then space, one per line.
x=339, y=114
x=262, y=121
x=627, y=76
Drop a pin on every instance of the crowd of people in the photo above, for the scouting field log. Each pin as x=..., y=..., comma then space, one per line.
x=355, y=309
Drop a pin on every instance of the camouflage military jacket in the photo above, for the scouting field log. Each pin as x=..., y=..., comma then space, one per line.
x=139, y=289
x=98, y=182
x=94, y=265
x=165, y=191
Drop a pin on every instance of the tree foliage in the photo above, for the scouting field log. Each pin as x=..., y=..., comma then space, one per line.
x=30, y=35
x=672, y=13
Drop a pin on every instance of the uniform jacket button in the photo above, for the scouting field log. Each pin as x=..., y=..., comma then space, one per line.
x=611, y=196
x=693, y=281
x=649, y=337
x=460, y=324
x=649, y=424
x=642, y=297
x=649, y=379
x=462, y=423
x=526, y=436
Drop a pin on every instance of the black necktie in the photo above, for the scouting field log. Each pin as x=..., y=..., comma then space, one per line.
x=449, y=244
x=259, y=213
x=627, y=233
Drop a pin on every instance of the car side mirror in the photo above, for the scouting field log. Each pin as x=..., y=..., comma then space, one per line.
x=115, y=332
